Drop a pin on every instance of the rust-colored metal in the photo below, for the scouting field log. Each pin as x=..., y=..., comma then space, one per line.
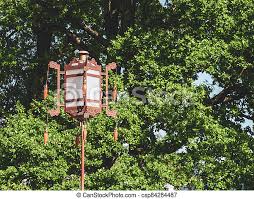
x=83, y=109
x=54, y=112
x=110, y=113
x=45, y=91
x=114, y=93
x=56, y=66
x=83, y=55
x=111, y=66
x=83, y=141
x=74, y=111
x=93, y=66
x=80, y=106
x=115, y=135
x=85, y=65
x=46, y=136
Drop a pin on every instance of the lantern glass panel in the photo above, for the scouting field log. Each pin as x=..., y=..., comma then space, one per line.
x=93, y=72
x=74, y=88
x=93, y=88
x=74, y=104
x=74, y=72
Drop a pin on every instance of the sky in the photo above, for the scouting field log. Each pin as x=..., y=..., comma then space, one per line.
x=162, y=2
x=205, y=78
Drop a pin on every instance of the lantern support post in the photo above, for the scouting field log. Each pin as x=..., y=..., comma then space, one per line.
x=77, y=100
x=83, y=125
x=82, y=177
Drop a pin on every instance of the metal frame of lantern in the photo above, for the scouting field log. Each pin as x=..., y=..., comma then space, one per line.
x=82, y=70
x=56, y=66
x=78, y=102
x=93, y=103
x=74, y=105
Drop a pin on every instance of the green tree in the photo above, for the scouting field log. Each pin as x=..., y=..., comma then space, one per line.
x=177, y=132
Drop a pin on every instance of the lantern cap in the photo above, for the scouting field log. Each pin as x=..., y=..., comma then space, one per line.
x=83, y=52
x=83, y=55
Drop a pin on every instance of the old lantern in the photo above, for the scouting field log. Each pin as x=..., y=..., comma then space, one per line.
x=82, y=87
x=83, y=83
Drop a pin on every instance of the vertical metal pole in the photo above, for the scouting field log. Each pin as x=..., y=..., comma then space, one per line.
x=58, y=88
x=107, y=87
x=83, y=140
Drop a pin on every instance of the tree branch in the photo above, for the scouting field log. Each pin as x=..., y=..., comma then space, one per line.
x=73, y=38
x=80, y=23
x=221, y=97
x=224, y=97
x=249, y=117
x=94, y=33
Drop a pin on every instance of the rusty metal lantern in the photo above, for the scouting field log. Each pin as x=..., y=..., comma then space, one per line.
x=83, y=88
x=83, y=83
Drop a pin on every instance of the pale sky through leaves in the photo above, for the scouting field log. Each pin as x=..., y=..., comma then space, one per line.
x=207, y=79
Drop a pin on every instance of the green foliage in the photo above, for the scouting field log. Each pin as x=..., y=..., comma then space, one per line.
x=173, y=131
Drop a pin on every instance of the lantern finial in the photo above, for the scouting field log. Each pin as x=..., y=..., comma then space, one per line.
x=83, y=55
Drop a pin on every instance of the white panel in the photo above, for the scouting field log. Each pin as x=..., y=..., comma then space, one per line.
x=74, y=88
x=93, y=91
x=93, y=104
x=94, y=72
x=72, y=72
x=74, y=104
